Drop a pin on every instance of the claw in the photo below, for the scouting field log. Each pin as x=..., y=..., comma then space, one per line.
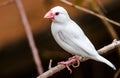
x=66, y=63
x=69, y=61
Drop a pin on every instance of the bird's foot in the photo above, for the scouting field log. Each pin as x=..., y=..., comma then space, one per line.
x=71, y=61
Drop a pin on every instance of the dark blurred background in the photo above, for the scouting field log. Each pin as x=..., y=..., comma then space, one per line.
x=16, y=60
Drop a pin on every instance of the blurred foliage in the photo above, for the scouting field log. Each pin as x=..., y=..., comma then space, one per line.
x=92, y=5
x=78, y=2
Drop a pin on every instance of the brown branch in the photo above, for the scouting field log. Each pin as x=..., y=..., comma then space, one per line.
x=6, y=3
x=30, y=36
x=57, y=68
x=90, y=12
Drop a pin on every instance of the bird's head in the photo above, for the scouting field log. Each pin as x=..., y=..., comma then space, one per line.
x=57, y=14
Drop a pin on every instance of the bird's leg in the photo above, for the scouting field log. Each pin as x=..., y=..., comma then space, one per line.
x=71, y=60
x=78, y=58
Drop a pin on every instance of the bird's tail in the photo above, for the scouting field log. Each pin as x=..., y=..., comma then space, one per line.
x=102, y=59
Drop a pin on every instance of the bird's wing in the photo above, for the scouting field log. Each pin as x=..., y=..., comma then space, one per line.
x=77, y=42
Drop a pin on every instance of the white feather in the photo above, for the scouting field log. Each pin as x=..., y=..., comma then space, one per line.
x=71, y=37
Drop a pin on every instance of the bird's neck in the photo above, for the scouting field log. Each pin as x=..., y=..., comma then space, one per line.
x=61, y=22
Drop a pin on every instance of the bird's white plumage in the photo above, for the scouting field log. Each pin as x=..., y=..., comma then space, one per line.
x=71, y=37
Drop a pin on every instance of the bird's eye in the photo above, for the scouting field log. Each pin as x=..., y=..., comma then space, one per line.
x=57, y=13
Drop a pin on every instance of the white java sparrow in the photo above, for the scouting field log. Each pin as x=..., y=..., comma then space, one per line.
x=71, y=37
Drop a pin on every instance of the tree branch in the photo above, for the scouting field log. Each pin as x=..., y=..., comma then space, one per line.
x=57, y=68
x=90, y=12
x=30, y=36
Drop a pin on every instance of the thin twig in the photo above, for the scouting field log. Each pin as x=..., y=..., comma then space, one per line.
x=50, y=64
x=107, y=24
x=90, y=12
x=57, y=68
x=6, y=3
x=30, y=37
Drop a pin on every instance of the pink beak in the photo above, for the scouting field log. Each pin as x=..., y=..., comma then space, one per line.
x=49, y=14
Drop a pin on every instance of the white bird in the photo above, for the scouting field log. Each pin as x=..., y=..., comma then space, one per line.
x=71, y=37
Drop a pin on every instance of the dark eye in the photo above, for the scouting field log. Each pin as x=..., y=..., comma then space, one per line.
x=57, y=13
